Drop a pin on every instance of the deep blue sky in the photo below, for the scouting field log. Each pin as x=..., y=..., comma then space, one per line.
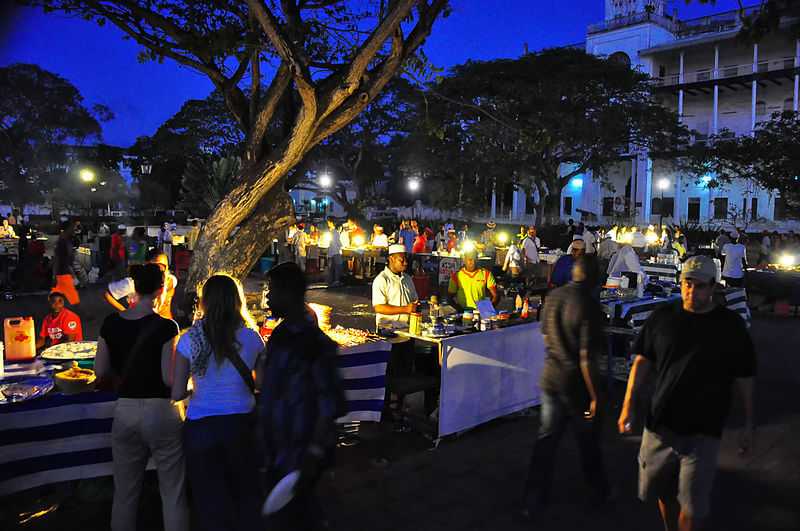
x=104, y=66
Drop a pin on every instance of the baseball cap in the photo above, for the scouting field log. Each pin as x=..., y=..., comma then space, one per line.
x=700, y=268
x=397, y=249
x=471, y=253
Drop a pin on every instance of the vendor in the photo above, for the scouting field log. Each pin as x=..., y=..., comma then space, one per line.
x=626, y=260
x=452, y=240
x=394, y=296
x=60, y=325
x=488, y=238
x=471, y=284
x=379, y=239
x=513, y=261
x=6, y=230
x=562, y=270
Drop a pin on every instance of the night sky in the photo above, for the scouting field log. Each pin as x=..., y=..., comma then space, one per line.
x=104, y=67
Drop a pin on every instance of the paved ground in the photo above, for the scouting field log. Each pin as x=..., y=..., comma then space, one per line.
x=397, y=481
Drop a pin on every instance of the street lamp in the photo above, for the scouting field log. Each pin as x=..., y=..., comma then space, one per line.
x=413, y=184
x=663, y=184
x=86, y=175
x=325, y=180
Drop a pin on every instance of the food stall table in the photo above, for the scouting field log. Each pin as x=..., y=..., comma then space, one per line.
x=486, y=375
x=665, y=272
x=68, y=437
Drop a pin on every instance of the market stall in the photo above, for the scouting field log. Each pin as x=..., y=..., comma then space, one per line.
x=486, y=375
x=47, y=436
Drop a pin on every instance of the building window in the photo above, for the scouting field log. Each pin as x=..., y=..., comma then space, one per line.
x=780, y=208
x=662, y=207
x=788, y=104
x=720, y=208
x=761, y=108
x=693, y=210
x=567, y=206
x=754, y=209
x=608, y=206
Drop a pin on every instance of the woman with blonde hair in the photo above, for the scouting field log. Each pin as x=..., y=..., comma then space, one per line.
x=219, y=352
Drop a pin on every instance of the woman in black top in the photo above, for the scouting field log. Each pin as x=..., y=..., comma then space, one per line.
x=136, y=348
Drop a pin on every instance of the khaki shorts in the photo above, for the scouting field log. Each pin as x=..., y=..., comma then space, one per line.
x=677, y=466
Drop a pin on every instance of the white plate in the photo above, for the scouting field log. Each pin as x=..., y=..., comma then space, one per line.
x=281, y=494
x=75, y=350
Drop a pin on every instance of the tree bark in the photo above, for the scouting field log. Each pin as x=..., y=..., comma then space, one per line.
x=241, y=250
x=552, y=207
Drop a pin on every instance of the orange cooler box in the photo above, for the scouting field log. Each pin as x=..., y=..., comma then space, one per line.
x=20, y=338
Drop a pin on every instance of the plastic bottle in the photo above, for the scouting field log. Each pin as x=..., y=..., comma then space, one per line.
x=518, y=303
x=525, y=309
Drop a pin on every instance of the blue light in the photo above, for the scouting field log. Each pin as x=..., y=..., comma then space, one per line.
x=706, y=179
x=577, y=182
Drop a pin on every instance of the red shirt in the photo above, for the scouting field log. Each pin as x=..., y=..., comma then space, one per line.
x=420, y=244
x=57, y=328
x=117, y=252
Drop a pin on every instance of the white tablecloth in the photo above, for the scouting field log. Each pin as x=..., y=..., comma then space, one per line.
x=489, y=375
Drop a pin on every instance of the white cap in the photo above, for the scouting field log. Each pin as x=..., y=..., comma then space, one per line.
x=397, y=249
x=121, y=227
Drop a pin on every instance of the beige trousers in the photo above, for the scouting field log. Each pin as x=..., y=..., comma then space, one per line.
x=143, y=428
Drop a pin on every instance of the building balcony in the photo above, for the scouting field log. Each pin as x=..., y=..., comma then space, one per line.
x=772, y=70
x=632, y=19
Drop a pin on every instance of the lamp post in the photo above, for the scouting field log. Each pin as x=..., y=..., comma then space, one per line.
x=413, y=186
x=663, y=184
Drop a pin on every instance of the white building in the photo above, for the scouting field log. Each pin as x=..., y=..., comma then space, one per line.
x=715, y=83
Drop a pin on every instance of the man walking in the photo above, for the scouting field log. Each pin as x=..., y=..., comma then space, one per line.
x=573, y=336
x=699, y=352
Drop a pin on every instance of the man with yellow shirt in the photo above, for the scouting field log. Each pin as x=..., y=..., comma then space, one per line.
x=471, y=284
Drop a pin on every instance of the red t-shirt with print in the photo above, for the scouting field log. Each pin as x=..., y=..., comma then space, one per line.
x=58, y=327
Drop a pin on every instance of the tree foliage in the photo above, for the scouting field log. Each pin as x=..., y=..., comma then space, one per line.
x=313, y=65
x=770, y=157
x=41, y=115
x=522, y=121
x=206, y=181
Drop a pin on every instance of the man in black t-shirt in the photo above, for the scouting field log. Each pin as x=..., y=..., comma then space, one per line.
x=700, y=352
x=572, y=326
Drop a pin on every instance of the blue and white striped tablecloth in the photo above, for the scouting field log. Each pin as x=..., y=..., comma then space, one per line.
x=68, y=437
x=635, y=313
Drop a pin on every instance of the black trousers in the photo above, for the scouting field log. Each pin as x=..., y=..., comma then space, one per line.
x=556, y=414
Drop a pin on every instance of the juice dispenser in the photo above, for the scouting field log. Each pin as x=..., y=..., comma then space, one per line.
x=20, y=338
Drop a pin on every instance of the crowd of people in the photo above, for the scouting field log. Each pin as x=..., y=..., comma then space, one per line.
x=208, y=457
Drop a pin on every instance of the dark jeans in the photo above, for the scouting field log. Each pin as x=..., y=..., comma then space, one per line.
x=223, y=475
x=555, y=415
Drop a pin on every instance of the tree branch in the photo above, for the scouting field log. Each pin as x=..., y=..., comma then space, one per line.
x=346, y=83
x=274, y=93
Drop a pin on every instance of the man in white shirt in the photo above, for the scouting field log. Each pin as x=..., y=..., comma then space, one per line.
x=334, y=255
x=125, y=289
x=394, y=296
x=300, y=244
x=530, y=252
x=626, y=260
x=588, y=238
x=735, y=261
x=766, y=248
x=607, y=248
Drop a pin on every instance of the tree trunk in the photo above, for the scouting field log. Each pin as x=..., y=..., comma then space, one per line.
x=238, y=253
x=552, y=208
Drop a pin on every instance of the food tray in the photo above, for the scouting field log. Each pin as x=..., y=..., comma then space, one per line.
x=24, y=389
x=75, y=350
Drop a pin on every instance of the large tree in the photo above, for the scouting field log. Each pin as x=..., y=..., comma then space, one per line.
x=41, y=116
x=770, y=157
x=552, y=115
x=331, y=57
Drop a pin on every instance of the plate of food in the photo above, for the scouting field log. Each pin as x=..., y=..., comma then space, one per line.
x=24, y=389
x=74, y=350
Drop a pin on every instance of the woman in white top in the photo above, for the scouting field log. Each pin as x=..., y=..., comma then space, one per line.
x=735, y=255
x=513, y=261
x=220, y=352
